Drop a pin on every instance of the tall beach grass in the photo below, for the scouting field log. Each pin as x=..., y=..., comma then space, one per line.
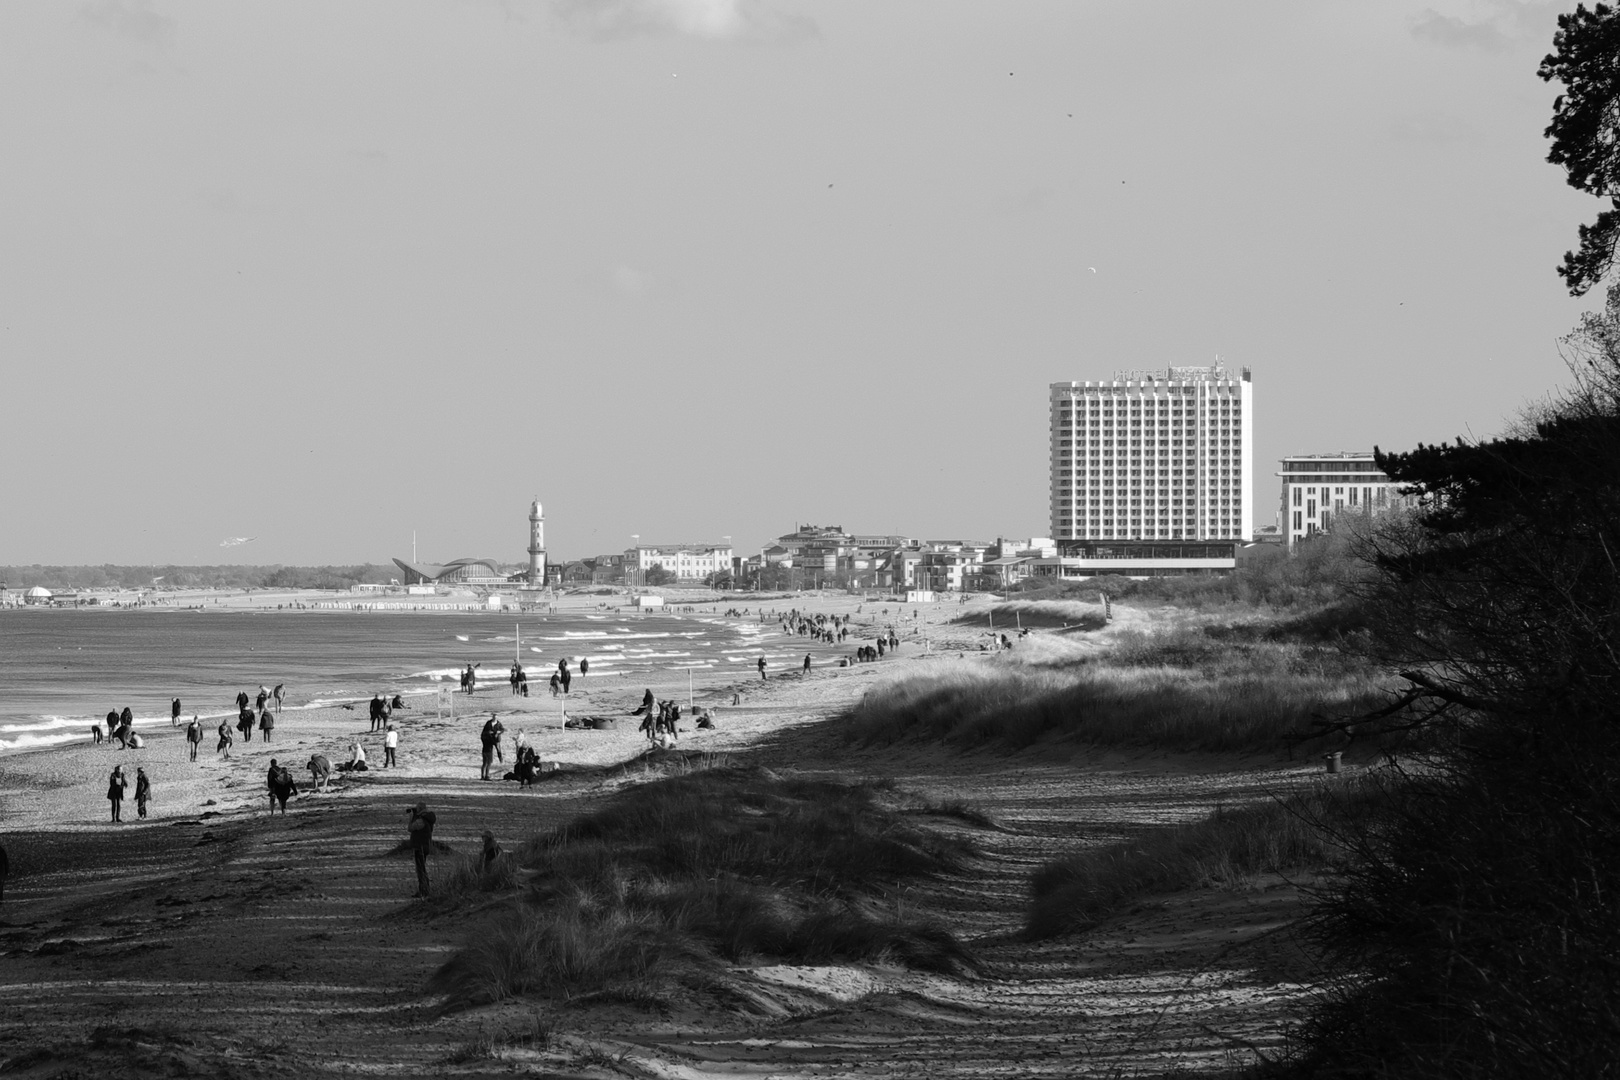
x=698, y=871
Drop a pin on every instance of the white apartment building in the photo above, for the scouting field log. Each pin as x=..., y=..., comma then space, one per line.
x=1316, y=488
x=687, y=562
x=1153, y=457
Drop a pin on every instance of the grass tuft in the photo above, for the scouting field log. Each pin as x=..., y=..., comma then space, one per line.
x=1229, y=849
x=713, y=867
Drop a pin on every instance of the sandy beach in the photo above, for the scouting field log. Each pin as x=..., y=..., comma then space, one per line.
x=214, y=937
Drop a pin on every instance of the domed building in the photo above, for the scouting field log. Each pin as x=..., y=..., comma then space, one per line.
x=453, y=572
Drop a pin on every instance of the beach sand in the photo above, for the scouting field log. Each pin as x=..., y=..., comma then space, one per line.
x=216, y=939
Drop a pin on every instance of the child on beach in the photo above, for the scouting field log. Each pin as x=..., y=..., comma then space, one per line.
x=390, y=744
x=143, y=791
x=115, y=791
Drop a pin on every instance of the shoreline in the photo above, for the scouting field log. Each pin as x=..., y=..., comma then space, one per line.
x=61, y=785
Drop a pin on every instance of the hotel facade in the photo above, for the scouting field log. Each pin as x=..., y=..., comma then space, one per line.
x=1318, y=488
x=1151, y=472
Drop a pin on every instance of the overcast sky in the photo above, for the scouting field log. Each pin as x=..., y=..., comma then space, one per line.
x=325, y=273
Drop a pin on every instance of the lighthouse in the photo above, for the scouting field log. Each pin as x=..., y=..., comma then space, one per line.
x=537, y=544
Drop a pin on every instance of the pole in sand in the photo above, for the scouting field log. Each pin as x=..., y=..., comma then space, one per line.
x=688, y=689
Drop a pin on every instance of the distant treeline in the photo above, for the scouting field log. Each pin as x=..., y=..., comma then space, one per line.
x=196, y=577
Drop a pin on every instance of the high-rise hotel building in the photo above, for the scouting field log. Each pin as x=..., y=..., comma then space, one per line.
x=1158, y=459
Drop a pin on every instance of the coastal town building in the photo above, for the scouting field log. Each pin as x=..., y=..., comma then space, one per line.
x=684, y=562
x=456, y=571
x=1150, y=473
x=1318, y=488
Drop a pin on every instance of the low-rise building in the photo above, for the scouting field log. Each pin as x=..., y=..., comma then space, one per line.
x=684, y=562
x=1317, y=488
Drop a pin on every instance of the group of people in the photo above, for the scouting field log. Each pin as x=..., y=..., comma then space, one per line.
x=118, y=783
x=256, y=710
x=120, y=727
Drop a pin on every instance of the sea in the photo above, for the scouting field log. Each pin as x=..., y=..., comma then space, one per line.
x=62, y=669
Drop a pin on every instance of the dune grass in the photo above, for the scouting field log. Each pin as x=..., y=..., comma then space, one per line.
x=1255, y=703
x=695, y=871
x=1037, y=614
x=1229, y=849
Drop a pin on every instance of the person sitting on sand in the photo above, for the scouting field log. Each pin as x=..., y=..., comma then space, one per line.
x=143, y=791
x=115, y=791
x=357, y=757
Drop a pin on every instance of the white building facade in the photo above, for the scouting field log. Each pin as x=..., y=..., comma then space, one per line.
x=1158, y=455
x=1318, y=488
x=687, y=562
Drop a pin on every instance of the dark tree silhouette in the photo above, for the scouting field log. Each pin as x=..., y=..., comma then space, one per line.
x=1585, y=131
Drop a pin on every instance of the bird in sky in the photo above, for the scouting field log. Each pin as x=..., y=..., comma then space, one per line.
x=1093, y=269
x=233, y=541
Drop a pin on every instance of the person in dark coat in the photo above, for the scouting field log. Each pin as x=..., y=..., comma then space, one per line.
x=491, y=738
x=116, y=783
x=174, y=713
x=421, y=829
x=267, y=724
x=143, y=791
x=194, y=736
x=281, y=784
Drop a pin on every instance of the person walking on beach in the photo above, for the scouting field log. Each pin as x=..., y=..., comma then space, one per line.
x=281, y=784
x=470, y=677
x=194, y=736
x=584, y=666
x=267, y=724
x=807, y=663
x=143, y=791
x=174, y=713
x=241, y=700
x=115, y=792
x=224, y=747
x=566, y=679
x=390, y=744
x=421, y=829
x=762, y=667
x=556, y=683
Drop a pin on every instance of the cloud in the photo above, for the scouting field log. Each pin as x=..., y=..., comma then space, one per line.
x=133, y=19
x=1434, y=129
x=629, y=281
x=1491, y=25
x=718, y=20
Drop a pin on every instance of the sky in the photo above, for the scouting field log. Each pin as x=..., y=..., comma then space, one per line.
x=325, y=274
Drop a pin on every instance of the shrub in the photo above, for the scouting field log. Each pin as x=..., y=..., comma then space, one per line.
x=1264, y=705
x=725, y=864
x=1226, y=850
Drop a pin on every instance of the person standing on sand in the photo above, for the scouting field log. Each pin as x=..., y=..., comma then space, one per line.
x=491, y=739
x=556, y=683
x=584, y=666
x=224, y=747
x=421, y=828
x=807, y=663
x=390, y=744
x=267, y=724
x=174, y=713
x=566, y=679
x=115, y=792
x=762, y=667
x=194, y=736
x=143, y=791
x=471, y=677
